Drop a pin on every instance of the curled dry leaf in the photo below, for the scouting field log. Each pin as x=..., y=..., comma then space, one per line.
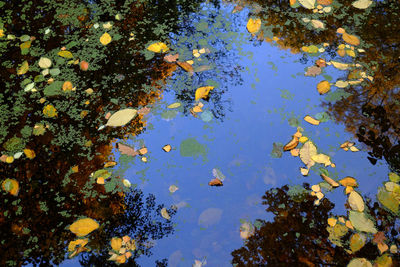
x=311, y=120
x=215, y=182
x=143, y=151
x=329, y=180
x=164, y=214
x=316, y=188
x=292, y=144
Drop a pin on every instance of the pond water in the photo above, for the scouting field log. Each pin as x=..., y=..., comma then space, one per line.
x=119, y=120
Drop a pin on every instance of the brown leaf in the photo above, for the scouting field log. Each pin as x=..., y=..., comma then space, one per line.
x=320, y=62
x=324, y=2
x=351, y=39
x=215, y=182
x=126, y=150
x=313, y=71
x=144, y=111
x=171, y=58
x=186, y=66
x=203, y=68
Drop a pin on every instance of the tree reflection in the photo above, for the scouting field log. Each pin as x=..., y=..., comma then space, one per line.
x=299, y=234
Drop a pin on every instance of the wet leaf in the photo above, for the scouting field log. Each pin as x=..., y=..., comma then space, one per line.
x=126, y=183
x=276, y=150
x=167, y=148
x=11, y=186
x=158, y=47
x=361, y=222
x=67, y=86
x=362, y=4
x=357, y=241
x=348, y=181
x=202, y=68
x=323, y=87
x=292, y=144
x=50, y=111
x=83, y=227
x=29, y=153
x=309, y=4
x=215, y=182
x=73, y=244
x=322, y=158
x=202, y=92
x=306, y=152
x=388, y=199
x=329, y=180
x=210, y=216
x=317, y=24
x=311, y=120
x=45, y=62
x=122, y=117
x=186, y=66
x=341, y=84
x=164, y=214
x=351, y=39
x=65, y=54
x=394, y=177
x=304, y=171
x=313, y=71
x=143, y=151
x=174, y=105
x=332, y=221
x=171, y=58
x=127, y=150
x=105, y=39
x=246, y=230
x=23, y=68
x=339, y=65
x=384, y=261
x=356, y=202
x=116, y=243
x=253, y=25
x=173, y=188
x=359, y=262
x=354, y=149
x=379, y=240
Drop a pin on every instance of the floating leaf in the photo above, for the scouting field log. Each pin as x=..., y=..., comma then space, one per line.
x=313, y=71
x=171, y=58
x=292, y=144
x=186, y=66
x=174, y=105
x=323, y=87
x=356, y=202
x=362, y=4
x=65, y=54
x=339, y=65
x=45, y=62
x=309, y=4
x=357, y=241
x=304, y=171
x=215, y=182
x=29, y=153
x=167, y=148
x=105, y=39
x=206, y=116
x=253, y=25
x=164, y=214
x=306, y=152
x=23, y=68
x=332, y=221
x=246, y=230
x=11, y=186
x=348, y=181
x=84, y=226
x=50, y=111
x=322, y=158
x=173, y=188
x=202, y=92
x=121, y=117
x=329, y=180
x=354, y=149
x=317, y=24
x=311, y=120
x=351, y=39
x=394, y=177
x=341, y=84
x=388, y=199
x=73, y=244
x=361, y=222
x=158, y=47
x=116, y=243
x=359, y=262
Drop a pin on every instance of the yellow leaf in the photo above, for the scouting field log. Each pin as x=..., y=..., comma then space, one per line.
x=321, y=158
x=50, y=111
x=174, y=105
x=105, y=39
x=67, y=86
x=65, y=54
x=354, y=149
x=332, y=221
x=142, y=151
x=329, y=180
x=116, y=243
x=84, y=226
x=304, y=171
x=75, y=169
x=253, y=25
x=24, y=68
x=348, y=190
x=356, y=202
x=25, y=45
x=351, y=53
x=100, y=180
x=164, y=214
x=357, y=241
x=311, y=120
x=158, y=47
x=202, y=92
x=10, y=159
x=303, y=139
x=351, y=39
x=197, y=109
x=167, y=148
x=323, y=87
x=348, y=181
x=121, y=259
x=110, y=164
x=11, y=186
x=72, y=245
x=29, y=153
x=144, y=159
